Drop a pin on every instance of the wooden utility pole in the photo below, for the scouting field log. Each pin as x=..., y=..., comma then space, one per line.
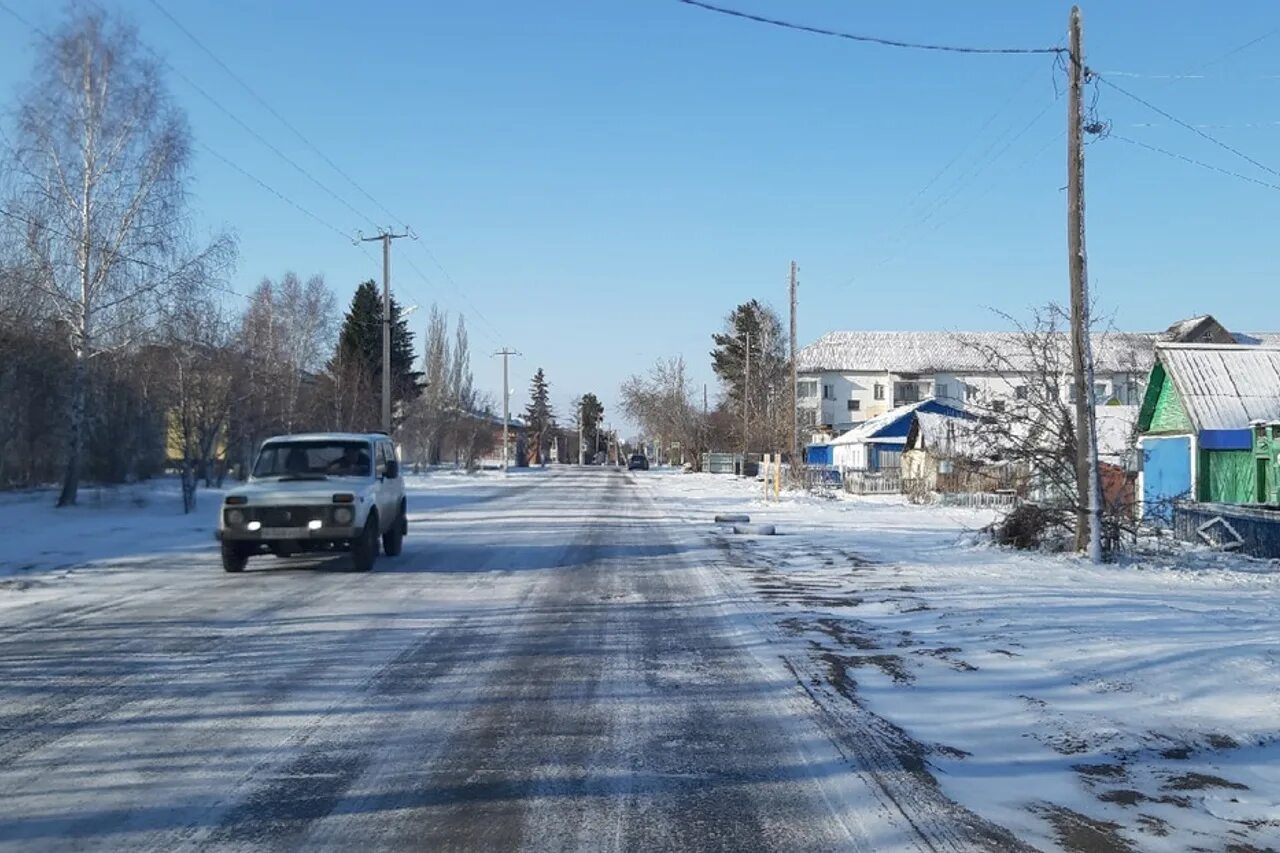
x=506, y=403
x=385, y=238
x=795, y=400
x=1088, y=486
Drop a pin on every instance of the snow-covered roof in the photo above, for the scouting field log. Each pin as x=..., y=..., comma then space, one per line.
x=868, y=428
x=1116, y=430
x=930, y=352
x=947, y=435
x=1224, y=386
x=1258, y=339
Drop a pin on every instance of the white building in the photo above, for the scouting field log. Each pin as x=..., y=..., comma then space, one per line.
x=846, y=378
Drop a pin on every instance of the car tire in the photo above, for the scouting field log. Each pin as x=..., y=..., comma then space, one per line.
x=364, y=550
x=234, y=557
x=393, y=539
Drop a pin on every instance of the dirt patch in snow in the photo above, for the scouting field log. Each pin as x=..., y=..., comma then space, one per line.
x=1077, y=832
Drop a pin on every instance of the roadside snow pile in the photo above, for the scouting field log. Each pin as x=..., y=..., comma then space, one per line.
x=106, y=523
x=1117, y=706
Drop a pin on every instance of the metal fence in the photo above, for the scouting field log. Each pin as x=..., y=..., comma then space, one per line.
x=976, y=500
x=872, y=482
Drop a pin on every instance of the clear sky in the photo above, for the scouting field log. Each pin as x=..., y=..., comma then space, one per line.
x=604, y=179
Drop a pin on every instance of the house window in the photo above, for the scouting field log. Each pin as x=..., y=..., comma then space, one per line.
x=806, y=388
x=1020, y=392
x=1099, y=391
x=943, y=391
x=828, y=392
x=879, y=391
x=855, y=405
x=997, y=405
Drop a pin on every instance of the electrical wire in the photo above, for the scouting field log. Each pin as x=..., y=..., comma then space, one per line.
x=1194, y=162
x=1197, y=131
x=886, y=42
x=267, y=106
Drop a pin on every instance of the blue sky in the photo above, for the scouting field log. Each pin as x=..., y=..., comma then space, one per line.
x=604, y=179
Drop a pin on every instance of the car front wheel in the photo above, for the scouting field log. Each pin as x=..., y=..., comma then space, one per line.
x=233, y=557
x=364, y=550
x=393, y=539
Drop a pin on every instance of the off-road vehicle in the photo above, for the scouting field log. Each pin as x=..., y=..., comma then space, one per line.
x=317, y=492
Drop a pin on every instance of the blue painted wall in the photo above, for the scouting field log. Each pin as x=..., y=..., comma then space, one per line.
x=1166, y=473
x=819, y=454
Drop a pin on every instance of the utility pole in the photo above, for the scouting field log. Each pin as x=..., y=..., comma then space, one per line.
x=746, y=403
x=506, y=403
x=1088, y=486
x=386, y=237
x=582, y=450
x=795, y=402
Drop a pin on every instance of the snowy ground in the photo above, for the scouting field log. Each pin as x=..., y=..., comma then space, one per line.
x=1093, y=708
x=581, y=660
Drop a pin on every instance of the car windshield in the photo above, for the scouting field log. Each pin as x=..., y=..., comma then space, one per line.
x=313, y=459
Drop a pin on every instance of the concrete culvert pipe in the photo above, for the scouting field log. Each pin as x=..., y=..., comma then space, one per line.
x=733, y=518
x=754, y=529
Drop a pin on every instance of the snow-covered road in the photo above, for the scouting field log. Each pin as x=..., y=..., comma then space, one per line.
x=556, y=662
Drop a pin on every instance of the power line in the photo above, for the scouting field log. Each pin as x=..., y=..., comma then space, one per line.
x=267, y=106
x=1194, y=162
x=1197, y=131
x=295, y=205
x=886, y=42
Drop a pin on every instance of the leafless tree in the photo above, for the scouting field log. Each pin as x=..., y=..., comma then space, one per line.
x=1028, y=425
x=202, y=363
x=101, y=160
x=284, y=335
x=662, y=403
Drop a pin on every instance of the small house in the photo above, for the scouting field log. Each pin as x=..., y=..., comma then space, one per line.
x=1197, y=423
x=877, y=444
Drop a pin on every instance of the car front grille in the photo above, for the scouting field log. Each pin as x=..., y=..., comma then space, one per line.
x=288, y=516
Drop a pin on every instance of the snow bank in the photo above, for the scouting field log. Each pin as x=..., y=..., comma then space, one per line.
x=1134, y=703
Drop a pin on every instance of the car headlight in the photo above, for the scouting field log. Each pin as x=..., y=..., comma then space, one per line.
x=235, y=516
x=342, y=515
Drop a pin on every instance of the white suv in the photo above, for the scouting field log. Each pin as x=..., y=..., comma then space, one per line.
x=317, y=492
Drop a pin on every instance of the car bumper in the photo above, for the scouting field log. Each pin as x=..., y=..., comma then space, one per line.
x=324, y=534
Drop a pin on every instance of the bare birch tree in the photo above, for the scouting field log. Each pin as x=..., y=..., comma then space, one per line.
x=101, y=162
x=661, y=402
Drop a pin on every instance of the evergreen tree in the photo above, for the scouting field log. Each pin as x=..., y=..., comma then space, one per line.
x=768, y=395
x=539, y=418
x=360, y=344
x=590, y=413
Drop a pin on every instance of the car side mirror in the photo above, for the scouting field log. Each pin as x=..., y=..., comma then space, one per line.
x=392, y=469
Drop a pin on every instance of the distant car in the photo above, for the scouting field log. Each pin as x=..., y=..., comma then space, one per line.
x=317, y=492
x=638, y=462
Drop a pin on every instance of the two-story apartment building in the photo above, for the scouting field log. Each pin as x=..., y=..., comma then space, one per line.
x=847, y=377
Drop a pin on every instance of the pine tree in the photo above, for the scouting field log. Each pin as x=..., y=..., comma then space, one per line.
x=360, y=344
x=539, y=417
x=590, y=413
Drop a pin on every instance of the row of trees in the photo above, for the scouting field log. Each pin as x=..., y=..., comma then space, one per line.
x=123, y=350
x=753, y=409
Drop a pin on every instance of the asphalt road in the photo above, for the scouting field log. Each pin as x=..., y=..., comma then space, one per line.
x=549, y=665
